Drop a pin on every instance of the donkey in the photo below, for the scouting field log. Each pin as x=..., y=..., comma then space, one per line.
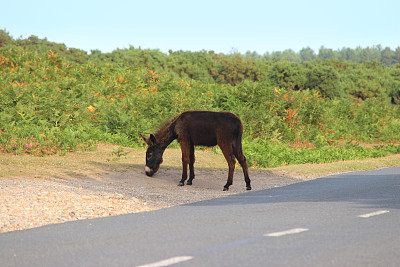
x=199, y=128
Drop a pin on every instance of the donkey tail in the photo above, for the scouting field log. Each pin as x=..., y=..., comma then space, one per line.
x=237, y=143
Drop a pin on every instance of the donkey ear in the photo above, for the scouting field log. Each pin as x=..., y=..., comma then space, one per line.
x=146, y=140
x=153, y=139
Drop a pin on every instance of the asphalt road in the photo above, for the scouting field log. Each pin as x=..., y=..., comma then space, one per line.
x=349, y=219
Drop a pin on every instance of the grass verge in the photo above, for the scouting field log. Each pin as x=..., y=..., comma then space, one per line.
x=110, y=158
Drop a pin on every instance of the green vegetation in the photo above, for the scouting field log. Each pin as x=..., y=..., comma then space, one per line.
x=295, y=107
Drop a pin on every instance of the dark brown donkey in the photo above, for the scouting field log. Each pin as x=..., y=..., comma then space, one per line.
x=199, y=128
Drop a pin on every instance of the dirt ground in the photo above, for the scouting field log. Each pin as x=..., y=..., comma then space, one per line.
x=57, y=190
x=35, y=191
x=162, y=189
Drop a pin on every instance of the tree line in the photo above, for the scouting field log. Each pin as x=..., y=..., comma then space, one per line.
x=359, y=73
x=55, y=99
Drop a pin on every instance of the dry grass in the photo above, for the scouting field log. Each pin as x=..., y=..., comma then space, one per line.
x=318, y=170
x=102, y=161
x=94, y=163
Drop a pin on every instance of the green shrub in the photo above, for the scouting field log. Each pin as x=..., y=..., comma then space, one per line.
x=56, y=100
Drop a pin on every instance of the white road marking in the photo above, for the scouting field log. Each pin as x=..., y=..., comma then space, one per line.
x=168, y=262
x=379, y=212
x=288, y=232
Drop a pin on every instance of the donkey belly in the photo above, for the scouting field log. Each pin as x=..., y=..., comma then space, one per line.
x=204, y=141
x=203, y=136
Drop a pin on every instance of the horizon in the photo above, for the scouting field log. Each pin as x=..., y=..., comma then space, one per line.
x=233, y=49
x=221, y=26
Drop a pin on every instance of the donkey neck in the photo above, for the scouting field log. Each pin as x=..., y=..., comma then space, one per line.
x=166, y=135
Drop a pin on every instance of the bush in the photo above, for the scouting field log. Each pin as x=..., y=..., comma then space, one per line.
x=55, y=100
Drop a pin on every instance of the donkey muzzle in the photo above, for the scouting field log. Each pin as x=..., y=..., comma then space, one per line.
x=149, y=172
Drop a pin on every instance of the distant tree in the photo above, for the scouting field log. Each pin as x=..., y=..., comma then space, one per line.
x=276, y=55
x=290, y=55
x=397, y=55
x=388, y=56
x=307, y=54
x=33, y=39
x=326, y=53
x=348, y=54
x=252, y=56
x=267, y=56
x=95, y=52
x=371, y=54
x=5, y=38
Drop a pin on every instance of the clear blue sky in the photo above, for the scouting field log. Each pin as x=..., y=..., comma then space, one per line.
x=249, y=25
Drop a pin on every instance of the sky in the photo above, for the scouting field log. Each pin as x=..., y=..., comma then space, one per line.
x=190, y=25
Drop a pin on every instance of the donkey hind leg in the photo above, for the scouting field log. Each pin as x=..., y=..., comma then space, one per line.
x=230, y=158
x=238, y=151
x=191, y=165
x=185, y=161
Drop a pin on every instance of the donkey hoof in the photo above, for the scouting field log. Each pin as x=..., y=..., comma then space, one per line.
x=189, y=182
x=248, y=187
x=181, y=184
x=225, y=188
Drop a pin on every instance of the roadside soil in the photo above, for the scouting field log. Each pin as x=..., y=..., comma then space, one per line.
x=35, y=191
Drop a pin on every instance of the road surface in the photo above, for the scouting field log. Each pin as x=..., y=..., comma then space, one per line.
x=350, y=219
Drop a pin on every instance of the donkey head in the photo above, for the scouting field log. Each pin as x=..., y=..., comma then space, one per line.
x=154, y=155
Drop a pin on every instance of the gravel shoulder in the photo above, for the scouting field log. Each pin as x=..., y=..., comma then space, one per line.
x=36, y=191
x=56, y=190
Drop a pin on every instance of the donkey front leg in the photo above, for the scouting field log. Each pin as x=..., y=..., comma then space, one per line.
x=184, y=174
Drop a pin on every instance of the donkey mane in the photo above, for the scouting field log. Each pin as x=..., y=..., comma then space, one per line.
x=165, y=134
